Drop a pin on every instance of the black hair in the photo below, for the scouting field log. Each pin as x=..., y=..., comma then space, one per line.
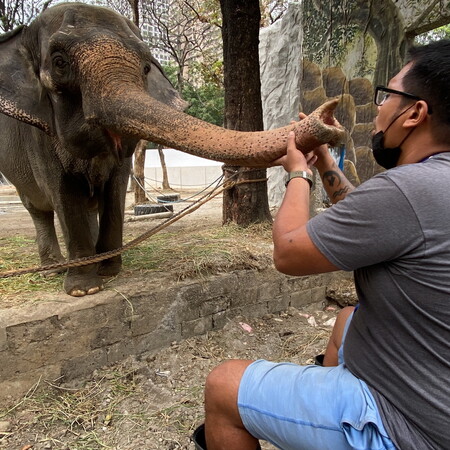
x=429, y=79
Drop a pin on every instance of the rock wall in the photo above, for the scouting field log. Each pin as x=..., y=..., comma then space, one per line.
x=281, y=73
x=290, y=84
x=67, y=338
x=420, y=16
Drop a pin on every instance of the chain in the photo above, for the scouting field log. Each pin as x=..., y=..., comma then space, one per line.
x=228, y=184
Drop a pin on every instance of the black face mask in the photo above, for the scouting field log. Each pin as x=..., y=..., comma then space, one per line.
x=387, y=157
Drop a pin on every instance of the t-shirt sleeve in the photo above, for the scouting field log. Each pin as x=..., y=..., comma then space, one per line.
x=373, y=224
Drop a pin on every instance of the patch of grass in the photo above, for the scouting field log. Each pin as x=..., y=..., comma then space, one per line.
x=81, y=415
x=15, y=254
x=18, y=252
x=184, y=253
x=203, y=252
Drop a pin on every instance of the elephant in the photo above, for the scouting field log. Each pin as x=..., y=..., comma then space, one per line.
x=78, y=89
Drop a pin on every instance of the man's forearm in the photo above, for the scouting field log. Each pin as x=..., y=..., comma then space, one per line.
x=294, y=210
x=334, y=181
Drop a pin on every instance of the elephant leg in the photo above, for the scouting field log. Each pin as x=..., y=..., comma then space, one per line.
x=47, y=242
x=111, y=213
x=79, y=224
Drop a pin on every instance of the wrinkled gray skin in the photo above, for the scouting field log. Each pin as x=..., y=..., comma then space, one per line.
x=78, y=89
x=78, y=171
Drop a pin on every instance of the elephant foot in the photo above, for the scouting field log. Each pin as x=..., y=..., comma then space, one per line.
x=79, y=285
x=81, y=293
x=53, y=272
x=109, y=268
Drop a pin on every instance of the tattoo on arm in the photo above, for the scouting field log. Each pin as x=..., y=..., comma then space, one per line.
x=341, y=192
x=332, y=177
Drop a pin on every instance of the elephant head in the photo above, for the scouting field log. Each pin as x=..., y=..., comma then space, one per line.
x=82, y=73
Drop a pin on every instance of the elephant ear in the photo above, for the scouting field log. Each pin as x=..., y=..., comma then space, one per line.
x=21, y=94
x=161, y=89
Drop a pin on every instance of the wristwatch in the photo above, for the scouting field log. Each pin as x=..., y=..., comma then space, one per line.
x=300, y=174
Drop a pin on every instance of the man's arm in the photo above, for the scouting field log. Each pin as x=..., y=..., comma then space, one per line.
x=334, y=181
x=294, y=252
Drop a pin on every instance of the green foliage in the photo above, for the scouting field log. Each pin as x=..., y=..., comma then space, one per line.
x=171, y=72
x=205, y=102
x=206, y=96
x=209, y=12
x=433, y=35
x=208, y=71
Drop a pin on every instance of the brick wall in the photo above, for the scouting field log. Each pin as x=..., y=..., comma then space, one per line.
x=71, y=337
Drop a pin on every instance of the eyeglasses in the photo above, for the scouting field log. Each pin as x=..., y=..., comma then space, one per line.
x=382, y=93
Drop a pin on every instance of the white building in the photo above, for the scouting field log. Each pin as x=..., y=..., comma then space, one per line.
x=184, y=171
x=152, y=34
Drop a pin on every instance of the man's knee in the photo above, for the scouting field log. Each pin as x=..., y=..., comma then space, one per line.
x=222, y=384
x=217, y=381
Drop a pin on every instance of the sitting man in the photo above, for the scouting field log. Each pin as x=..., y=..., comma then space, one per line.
x=387, y=385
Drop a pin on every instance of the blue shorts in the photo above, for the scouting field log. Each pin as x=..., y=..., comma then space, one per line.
x=310, y=407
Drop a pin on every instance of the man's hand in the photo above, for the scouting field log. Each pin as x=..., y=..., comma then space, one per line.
x=322, y=150
x=295, y=160
x=311, y=157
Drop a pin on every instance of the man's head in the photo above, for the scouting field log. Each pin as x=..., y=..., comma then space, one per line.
x=416, y=103
x=428, y=77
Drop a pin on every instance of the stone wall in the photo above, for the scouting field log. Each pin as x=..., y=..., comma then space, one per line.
x=67, y=338
x=356, y=112
x=281, y=73
x=419, y=16
x=290, y=84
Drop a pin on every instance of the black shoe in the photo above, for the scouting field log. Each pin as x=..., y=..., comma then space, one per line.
x=318, y=360
x=199, y=438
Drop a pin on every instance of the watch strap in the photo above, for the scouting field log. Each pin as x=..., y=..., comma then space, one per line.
x=300, y=174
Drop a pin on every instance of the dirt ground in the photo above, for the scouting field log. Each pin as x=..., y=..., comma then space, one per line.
x=156, y=401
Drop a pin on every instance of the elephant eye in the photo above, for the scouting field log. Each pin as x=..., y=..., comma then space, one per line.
x=146, y=69
x=59, y=62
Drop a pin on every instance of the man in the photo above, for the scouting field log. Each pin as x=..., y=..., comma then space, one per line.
x=387, y=385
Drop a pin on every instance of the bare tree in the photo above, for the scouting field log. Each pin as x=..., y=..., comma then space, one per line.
x=272, y=11
x=14, y=13
x=124, y=7
x=185, y=31
x=165, y=178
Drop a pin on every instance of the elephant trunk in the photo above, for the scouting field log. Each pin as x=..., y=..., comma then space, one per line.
x=121, y=104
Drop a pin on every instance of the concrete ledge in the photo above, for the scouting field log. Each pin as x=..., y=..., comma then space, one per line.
x=70, y=337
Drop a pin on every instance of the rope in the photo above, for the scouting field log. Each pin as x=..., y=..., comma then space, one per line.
x=219, y=189
x=217, y=180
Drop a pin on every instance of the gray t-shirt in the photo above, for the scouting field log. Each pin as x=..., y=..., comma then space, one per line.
x=394, y=232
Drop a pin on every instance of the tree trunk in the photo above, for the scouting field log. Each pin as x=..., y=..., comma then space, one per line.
x=165, y=180
x=135, y=8
x=246, y=203
x=139, y=178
